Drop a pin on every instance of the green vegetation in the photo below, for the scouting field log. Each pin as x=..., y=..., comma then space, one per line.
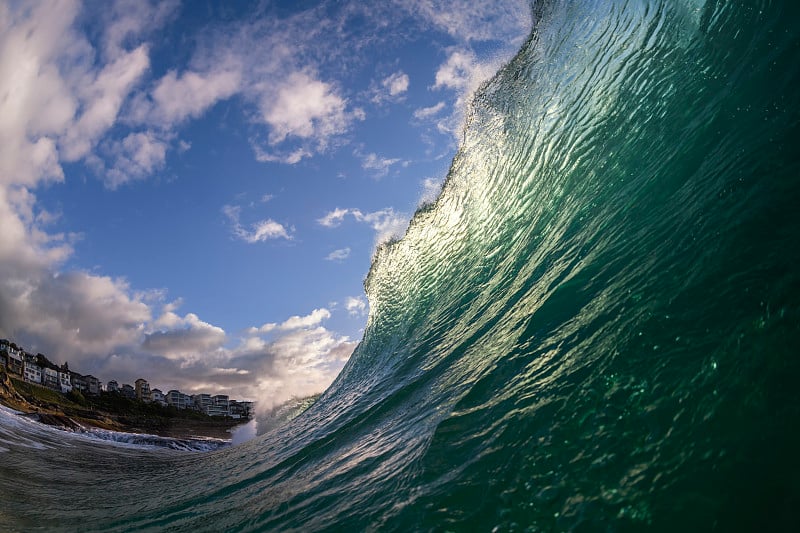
x=44, y=397
x=113, y=402
x=109, y=410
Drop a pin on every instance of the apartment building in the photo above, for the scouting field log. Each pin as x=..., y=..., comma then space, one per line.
x=142, y=390
x=156, y=396
x=178, y=399
x=32, y=372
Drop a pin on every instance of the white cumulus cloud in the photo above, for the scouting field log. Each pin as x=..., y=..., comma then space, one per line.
x=304, y=107
x=338, y=255
x=188, y=95
x=387, y=223
x=135, y=157
x=396, y=83
x=356, y=306
x=260, y=231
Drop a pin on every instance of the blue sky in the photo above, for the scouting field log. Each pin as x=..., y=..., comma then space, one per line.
x=192, y=192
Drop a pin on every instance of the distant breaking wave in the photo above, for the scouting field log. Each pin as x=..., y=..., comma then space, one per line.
x=24, y=431
x=594, y=328
x=194, y=444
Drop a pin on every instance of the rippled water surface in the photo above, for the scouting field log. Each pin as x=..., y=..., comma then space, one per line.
x=594, y=328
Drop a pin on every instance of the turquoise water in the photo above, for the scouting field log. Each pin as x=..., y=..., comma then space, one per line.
x=594, y=328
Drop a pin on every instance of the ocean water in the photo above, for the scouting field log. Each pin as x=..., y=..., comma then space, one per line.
x=596, y=327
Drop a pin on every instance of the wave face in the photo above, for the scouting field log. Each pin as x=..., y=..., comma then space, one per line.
x=595, y=327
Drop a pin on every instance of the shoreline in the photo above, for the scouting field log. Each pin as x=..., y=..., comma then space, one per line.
x=76, y=417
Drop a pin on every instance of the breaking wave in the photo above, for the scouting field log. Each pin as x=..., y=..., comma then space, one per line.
x=594, y=327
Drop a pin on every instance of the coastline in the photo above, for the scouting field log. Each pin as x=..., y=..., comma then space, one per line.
x=66, y=415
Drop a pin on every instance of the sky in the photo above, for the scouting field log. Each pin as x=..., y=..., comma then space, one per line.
x=191, y=192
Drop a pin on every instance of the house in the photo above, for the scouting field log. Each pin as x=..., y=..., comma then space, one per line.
x=219, y=406
x=240, y=409
x=128, y=391
x=50, y=378
x=178, y=399
x=32, y=372
x=15, y=361
x=4, y=346
x=79, y=382
x=142, y=390
x=112, y=386
x=156, y=396
x=92, y=385
x=202, y=402
x=64, y=379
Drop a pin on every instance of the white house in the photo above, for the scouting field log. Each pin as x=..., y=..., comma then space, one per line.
x=202, y=402
x=220, y=406
x=32, y=372
x=50, y=378
x=179, y=399
x=156, y=396
x=64, y=381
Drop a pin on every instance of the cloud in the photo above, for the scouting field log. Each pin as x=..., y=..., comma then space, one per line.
x=379, y=165
x=184, y=338
x=297, y=364
x=96, y=324
x=279, y=156
x=295, y=322
x=130, y=20
x=57, y=101
x=62, y=94
x=79, y=86
x=396, y=83
x=393, y=87
x=498, y=27
x=338, y=255
x=103, y=327
x=387, y=223
x=301, y=108
x=312, y=319
x=264, y=230
x=304, y=107
x=462, y=73
x=76, y=314
x=296, y=358
x=102, y=99
x=428, y=112
x=135, y=157
x=188, y=95
x=260, y=231
x=474, y=21
x=334, y=218
x=356, y=306
x=459, y=72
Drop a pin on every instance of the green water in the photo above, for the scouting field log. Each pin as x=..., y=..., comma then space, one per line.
x=594, y=328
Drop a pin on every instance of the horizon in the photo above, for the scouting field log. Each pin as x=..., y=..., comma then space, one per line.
x=199, y=191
